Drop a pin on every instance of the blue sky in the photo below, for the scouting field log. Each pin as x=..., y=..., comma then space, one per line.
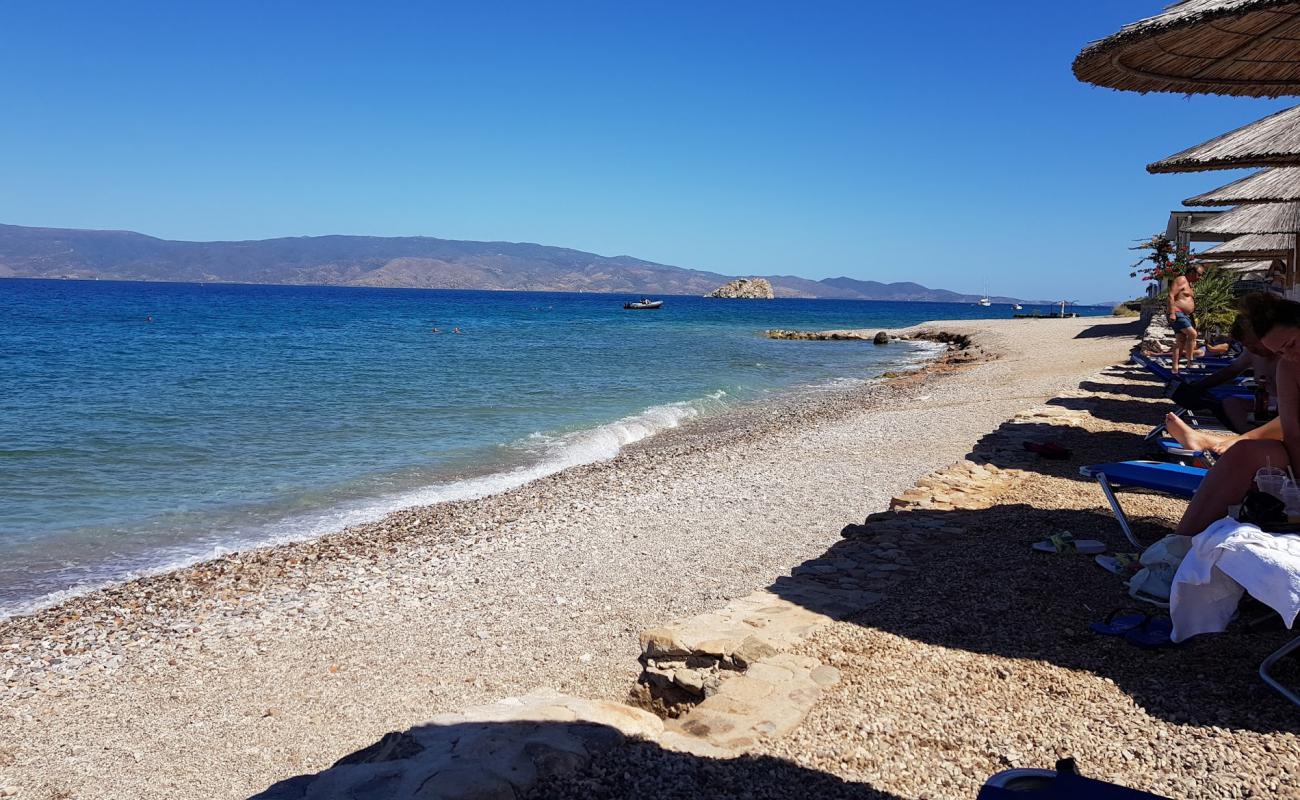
x=945, y=142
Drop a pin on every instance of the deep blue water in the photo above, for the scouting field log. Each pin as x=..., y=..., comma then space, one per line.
x=148, y=424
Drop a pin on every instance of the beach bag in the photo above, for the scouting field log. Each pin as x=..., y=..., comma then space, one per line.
x=1159, y=563
x=1262, y=510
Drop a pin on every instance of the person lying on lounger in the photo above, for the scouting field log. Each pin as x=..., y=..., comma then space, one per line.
x=1276, y=323
x=1223, y=347
x=1232, y=411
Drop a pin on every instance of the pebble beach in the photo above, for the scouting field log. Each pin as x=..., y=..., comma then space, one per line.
x=221, y=679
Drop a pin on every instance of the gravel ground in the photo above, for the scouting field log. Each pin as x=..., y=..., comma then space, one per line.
x=215, y=681
x=984, y=662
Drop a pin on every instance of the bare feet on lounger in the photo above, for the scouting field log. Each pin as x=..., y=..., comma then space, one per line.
x=1194, y=439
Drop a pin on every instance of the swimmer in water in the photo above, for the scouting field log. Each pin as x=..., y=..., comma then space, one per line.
x=456, y=331
x=435, y=330
x=149, y=318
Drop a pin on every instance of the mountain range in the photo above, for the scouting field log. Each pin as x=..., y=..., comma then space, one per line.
x=403, y=262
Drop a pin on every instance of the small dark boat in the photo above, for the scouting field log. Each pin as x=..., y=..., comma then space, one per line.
x=644, y=304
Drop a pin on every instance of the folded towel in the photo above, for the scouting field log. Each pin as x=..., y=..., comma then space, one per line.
x=1227, y=559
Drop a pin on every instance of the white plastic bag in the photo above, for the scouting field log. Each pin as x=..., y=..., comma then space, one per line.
x=1159, y=563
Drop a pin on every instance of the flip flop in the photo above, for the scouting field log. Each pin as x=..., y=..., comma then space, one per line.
x=1154, y=633
x=1120, y=622
x=1124, y=565
x=1066, y=543
x=1050, y=450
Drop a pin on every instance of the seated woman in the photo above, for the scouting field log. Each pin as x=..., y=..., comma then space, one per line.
x=1276, y=322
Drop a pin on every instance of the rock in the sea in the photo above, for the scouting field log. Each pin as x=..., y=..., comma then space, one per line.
x=745, y=289
x=881, y=338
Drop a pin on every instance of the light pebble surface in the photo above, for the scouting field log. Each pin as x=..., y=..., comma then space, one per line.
x=982, y=660
x=218, y=680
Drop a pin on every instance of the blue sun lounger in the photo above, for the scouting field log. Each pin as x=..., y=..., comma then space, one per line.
x=1166, y=361
x=1158, y=476
x=1165, y=373
x=1174, y=450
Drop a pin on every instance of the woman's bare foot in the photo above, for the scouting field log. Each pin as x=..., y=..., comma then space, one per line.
x=1191, y=438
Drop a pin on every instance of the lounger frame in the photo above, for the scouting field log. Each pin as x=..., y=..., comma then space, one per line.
x=1120, y=516
x=1098, y=473
x=1267, y=664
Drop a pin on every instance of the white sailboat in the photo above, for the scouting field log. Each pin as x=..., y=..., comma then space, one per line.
x=984, y=298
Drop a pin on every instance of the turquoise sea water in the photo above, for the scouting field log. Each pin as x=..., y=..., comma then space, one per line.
x=145, y=425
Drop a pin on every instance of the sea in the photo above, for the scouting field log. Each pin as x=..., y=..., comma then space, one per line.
x=145, y=426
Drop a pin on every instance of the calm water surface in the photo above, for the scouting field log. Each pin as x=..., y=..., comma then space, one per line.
x=251, y=414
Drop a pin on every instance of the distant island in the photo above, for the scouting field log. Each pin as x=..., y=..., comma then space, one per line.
x=745, y=289
x=416, y=262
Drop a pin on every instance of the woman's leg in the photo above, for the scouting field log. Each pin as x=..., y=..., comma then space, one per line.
x=1228, y=482
x=1194, y=438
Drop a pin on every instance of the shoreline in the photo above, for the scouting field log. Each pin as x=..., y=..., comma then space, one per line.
x=302, y=651
x=508, y=479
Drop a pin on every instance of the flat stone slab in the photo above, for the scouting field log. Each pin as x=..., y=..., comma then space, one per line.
x=768, y=700
x=493, y=751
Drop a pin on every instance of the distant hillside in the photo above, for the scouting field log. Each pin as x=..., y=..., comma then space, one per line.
x=405, y=262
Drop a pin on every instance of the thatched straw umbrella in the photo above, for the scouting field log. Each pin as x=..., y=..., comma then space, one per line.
x=1258, y=219
x=1257, y=275
x=1251, y=246
x=1239, y=47
x=1277, y=185
x=1235, y=47
x=1254, y=218
x=1271, y=142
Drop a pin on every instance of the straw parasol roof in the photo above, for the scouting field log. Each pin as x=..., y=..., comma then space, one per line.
x=1240, y=47
x=1252, y=245
x=1277, y=185
x=1271, y=142
x=1254, y=218
x=1248, y=266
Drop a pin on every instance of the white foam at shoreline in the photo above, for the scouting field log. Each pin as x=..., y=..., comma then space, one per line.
x=551, y=454
x=557, y=453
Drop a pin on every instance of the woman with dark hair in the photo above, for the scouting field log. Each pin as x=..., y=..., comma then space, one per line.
x=1276, y=322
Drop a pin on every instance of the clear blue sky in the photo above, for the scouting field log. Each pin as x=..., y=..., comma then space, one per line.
x=944, y=142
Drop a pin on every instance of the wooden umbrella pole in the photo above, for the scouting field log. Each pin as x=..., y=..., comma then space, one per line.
x=1291, y=268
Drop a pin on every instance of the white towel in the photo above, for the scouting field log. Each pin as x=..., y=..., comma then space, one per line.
x=1229, y=558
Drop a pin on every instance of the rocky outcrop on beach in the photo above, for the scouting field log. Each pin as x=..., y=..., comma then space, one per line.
x=744, y=289
x=955, y=341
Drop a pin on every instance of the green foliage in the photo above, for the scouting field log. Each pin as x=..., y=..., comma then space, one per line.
x=1216, y=302
x=1123, y=310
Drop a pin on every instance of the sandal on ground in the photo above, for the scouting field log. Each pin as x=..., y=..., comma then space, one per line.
x=1124, y=565
x=1120, y=621
x=1154, y=633
x=1048, y=450
x=1066, y=543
